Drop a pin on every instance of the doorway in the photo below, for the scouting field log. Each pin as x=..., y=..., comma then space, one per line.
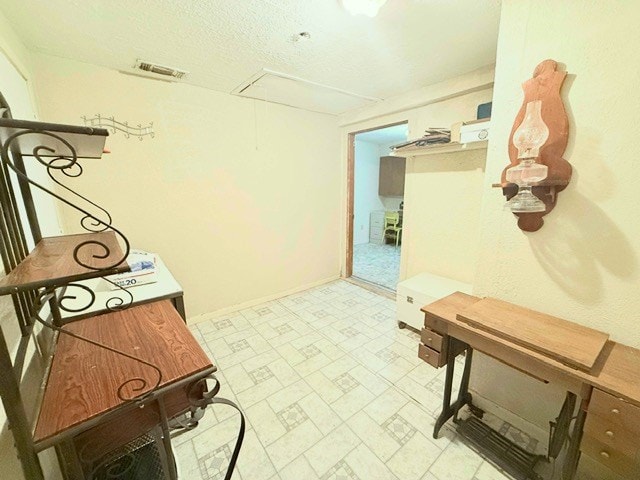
x=375, y=205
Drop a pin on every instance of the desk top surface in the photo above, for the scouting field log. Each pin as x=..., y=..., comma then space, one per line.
x=568, y=342
x=615, y=371
x=165, y=286
x=84, y=379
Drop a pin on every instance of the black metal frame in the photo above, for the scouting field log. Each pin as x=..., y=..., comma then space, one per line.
x=28, y=300
x=450, y=410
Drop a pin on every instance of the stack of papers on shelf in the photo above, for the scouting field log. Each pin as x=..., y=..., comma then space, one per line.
x=432, y=136
x=143, y=271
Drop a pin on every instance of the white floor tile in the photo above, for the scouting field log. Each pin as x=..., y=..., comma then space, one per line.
x=457, y=462
x=331, y=389
x=414, y=458
x=489, y=472
x=374, y=436
x=298, y=469
x=293, y=444
x=331, y=449
x=367, y=466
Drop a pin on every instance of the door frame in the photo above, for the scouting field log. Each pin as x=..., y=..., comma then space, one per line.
x=351, y=161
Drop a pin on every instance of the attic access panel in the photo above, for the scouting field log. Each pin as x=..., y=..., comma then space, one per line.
x=297, y=92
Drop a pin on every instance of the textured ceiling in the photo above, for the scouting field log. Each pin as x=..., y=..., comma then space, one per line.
x=411, y=43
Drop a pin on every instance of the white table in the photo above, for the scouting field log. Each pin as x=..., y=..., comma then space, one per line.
x=166, y=287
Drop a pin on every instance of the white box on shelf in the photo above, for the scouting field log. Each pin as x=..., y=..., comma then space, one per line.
x=475, y=132
x=414, y=293
x=143, y=271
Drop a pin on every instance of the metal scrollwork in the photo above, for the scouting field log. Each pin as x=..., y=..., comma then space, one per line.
x=199, y=398
x=118, y=303
x=69, y=166
x=68, y=301
x=65, y=297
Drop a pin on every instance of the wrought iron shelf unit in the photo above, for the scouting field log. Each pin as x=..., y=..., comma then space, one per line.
x=101, y=369
x=52, y=264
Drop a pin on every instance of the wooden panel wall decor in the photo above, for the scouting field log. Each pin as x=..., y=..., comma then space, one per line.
x=545, y=86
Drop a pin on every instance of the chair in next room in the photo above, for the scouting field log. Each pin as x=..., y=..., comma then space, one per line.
x=393, y=226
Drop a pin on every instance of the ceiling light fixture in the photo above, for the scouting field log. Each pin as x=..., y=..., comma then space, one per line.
x=301, y=37
x=369, y=8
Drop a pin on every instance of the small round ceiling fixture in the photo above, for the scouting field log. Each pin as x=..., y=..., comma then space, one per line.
x=302, y=37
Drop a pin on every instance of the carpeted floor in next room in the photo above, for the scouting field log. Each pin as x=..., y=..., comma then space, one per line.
x=332, y=390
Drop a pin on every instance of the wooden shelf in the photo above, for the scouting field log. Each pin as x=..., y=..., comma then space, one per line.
x=453, y=147
x=88, y=142
x=543, y=183
x=52, y=262
x=84, y=379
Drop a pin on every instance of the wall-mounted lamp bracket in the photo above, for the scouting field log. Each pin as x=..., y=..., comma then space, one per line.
x=545, y=86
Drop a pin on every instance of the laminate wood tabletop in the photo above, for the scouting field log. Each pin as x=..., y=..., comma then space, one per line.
x=52, y=258
x=570, y=343
x=84, y=379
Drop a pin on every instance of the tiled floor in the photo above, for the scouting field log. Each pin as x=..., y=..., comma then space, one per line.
x=332, y=390
x=379, y=264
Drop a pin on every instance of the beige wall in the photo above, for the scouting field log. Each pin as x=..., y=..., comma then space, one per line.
x=241, y=198
x=442, y=192
x=442, y=214
x=583, y=264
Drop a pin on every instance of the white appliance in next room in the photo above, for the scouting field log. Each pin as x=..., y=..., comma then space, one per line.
x=415, y=292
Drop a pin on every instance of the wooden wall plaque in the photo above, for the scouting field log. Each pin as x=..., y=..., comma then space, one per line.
x=545, y=85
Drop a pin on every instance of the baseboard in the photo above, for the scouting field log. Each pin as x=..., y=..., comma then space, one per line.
x=372, y=287
x=251, y=303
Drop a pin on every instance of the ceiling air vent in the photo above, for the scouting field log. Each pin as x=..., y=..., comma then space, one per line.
x=160, y=69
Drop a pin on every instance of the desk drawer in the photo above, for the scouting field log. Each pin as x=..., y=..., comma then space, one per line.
x=612, y=436
x=131, y=423
x=628, y=467
x=615, y=411
x=431, y=339
x=430, y=356
x=435, y=324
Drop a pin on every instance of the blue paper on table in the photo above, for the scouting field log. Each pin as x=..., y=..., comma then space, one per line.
x=142, y=265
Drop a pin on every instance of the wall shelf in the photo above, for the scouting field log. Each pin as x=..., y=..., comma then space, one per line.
x=544, y=183
x=87, y=142
x=452, y=147
x=545, y=190
x=52, y=262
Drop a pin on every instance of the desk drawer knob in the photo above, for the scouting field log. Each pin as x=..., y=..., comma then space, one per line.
x=604, y=454
x=615, y=410
x=429, y=339
x=609, y=433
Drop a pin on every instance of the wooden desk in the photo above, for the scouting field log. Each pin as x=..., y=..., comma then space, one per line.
x=613, y=378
